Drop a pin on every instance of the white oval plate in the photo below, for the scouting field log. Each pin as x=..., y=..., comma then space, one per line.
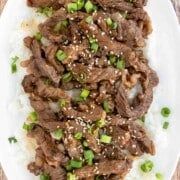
x=163, y=52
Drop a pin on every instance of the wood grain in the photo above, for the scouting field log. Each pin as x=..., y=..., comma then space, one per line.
x=176, y=4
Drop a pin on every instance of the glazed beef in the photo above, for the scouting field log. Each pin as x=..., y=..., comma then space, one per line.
x=106, y=167
x=88, y=82
x=43, y=3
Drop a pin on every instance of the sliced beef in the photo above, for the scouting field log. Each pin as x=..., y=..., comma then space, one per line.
x=50, y=54
x=115, y=4
x=47, y=91
x=53, y=155
x=73, y=146
x=43, y=3
x=42, y=108
x=47, y=70
x=93, y=142
x=127, y=30
x=29, y=83
x=93, y=114
x=44, y=68
x=106, y=167
x=85, y=74
x=55, y=173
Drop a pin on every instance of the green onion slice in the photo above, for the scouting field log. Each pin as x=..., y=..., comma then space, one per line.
x=89, y=156
x=44, y=176
x=72, y=7
x=57, y=134
x=159, y=176
x=71, y=176
x=165, y=112
x=78, y=135
x=165, y=125
x=13, y=64
x=105, y=139
x=12, y=139
x=147, y=166
x=84, y=94
x=89, y=7
x=33, y=116
x=106, y=106
x=120, y=64
x=61, y=55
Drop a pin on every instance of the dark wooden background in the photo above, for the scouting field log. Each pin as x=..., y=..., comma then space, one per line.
x=176, y=4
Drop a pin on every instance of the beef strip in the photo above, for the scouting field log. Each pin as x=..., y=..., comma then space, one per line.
x=48, y=91
x=86, y=74
x=93, y=114
x=47, y=70
x=127, y=30
x=41, y=64
x=73, y=146
x=50, y=54
x=53, y=155
x=105, y=167
x=43, y=3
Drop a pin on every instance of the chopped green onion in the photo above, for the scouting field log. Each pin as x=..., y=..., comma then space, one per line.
x=72, y=7
x=85, y=143
x=13, y=64
x=75, y=164
x=61, y=25
x=38, y=36
x=80, y=4
x=166, y=125
x=106, y=106
x=105, y=139
x=57, y=134
x=112, y=59
x=147, y=166
x=159, y=176
x=142, y=119
x=44, y=177
x=78, y=135
x=61, y=55
x=67, y=77
x=89, y=19
x=33, y=116
x=47, y=11
x=114, y=25
x=165, y=112
x=12, y=140
x=100, y=123
x=120, y=64
x=111, y=23
x=94, y=47
x=89, y=7
x=89, y=156
x=71, y=176
x=28, y=127
x=84, y=94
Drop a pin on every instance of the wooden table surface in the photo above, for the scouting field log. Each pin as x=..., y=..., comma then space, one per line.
x=176, y=4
